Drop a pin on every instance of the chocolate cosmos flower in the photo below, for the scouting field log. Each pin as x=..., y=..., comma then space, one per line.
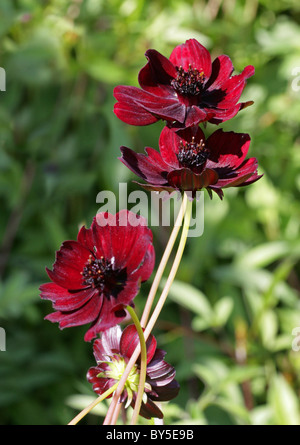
x=188, y=162
x=96, y=277
x=112, y=353
x=184, y=90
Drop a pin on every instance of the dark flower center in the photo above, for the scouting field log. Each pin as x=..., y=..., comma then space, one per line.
x=192, y=154
x=188, y=83
x=100, y=273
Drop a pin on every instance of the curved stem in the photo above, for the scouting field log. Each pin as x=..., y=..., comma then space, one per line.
x=164, y=261
x=143, y=367
x=92, y=405
x=120, y=387
x=173, y=271
x=155, y=314
x=116, y=413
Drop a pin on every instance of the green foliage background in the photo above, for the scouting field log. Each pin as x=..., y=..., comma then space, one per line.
x=228, y=324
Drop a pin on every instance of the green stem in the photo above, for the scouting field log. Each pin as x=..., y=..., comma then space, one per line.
x=92, y=405
x=163, y=262
x=143, y=367
x=173, y=271
x=130, y=364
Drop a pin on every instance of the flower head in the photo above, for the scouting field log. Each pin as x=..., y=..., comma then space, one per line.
x=96, y=277
x=184, y=90
x=189, y=162
x=112, y=352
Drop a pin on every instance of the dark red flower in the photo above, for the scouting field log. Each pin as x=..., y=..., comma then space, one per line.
x=96, y=277
x=188, y=162
x=184, y=90
x=112, y=353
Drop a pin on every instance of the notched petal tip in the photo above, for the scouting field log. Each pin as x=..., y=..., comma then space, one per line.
x=248, y=71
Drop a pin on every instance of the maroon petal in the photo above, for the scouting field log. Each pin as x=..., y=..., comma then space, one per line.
x=101, y=230
x=69, y=263
x=132, y=114
x=157, y=188
x=92, y=374
x=130, y=340
x=248, y=171
x=234, y=87
x=161, y=107
x=64, y=300
x=122, y=257
x=185, y=179
x=217, y=190
x=170, y=143
x=108, y=233
x=195, y=115
x=248, y=166
x=169, y=147
x=53, y=292
x=162, y=375
x=192, y=53
x=151, y=168
x=213, y=97
x=129, y=249
x=100, y=385
x=146, y=268
x=255, y=177
x=85, y=237
x=239, y=180
x=165, y=393
x=108, y=345
x=159, y=372
x=222, y=115
x=156, y=159
x=227, y=149
x=222, y=69
x=110, y=314
x=149, y=410
x=86, y=314
x=158, y=72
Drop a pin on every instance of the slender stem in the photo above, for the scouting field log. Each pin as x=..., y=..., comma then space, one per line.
x=164, y=261
x=155, y=314
x=173, y=270
x=120, y=387
x=116, y=413
x=143, y=367
x=92, y=405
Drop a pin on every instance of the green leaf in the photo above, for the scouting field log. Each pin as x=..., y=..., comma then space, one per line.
x=268, y=326
x=211, y=371
x=81, y=401
x=284, y=402
x=263, y=255
x=223, y=309
x=190, y=298
x=261, y=415
x=233, y=408
x=16, y=293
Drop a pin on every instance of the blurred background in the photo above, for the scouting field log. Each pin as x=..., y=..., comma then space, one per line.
x=231, y=324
